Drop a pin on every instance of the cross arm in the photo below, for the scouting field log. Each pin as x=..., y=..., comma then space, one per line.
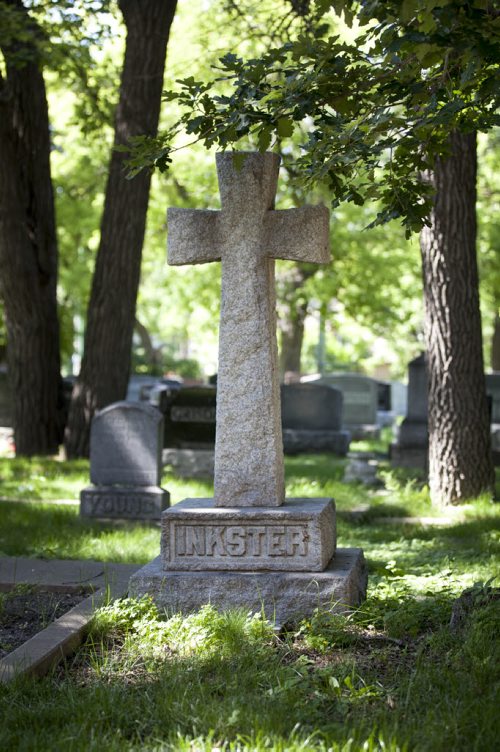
x=193, y=236
x=298, y=234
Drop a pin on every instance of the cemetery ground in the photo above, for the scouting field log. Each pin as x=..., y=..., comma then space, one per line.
x=392, y=675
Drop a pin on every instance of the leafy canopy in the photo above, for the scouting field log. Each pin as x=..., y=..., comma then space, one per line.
x=371, y=114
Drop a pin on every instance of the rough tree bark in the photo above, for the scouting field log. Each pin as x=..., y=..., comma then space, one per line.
x=111, y=312
x=28, y=247
x=460, y=463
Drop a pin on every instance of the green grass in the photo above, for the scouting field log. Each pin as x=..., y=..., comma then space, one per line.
x=391, y=676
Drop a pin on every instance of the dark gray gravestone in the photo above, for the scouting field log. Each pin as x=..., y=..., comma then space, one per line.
x=189, y=438
x=493, y=391
x=311, y=416
x=125, y=463
x=385, y=416
x=190, y=418
x=360, y=395
x=412, y=445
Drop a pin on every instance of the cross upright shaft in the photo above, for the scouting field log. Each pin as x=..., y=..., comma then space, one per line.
x=247, y=235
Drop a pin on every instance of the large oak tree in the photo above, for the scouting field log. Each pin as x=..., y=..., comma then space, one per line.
x=28, y=244
x=111, y=311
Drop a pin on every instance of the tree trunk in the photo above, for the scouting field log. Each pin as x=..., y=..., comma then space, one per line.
x=152, y=354
x=28, y=249
x=460, y=463
x=292, y=335
x=292, y=305
x=495, y=345
x=111, y=312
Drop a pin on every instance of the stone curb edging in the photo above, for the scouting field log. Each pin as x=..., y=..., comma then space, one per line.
x=61, y=638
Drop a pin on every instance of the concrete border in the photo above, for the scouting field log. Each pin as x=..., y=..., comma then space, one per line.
x=61, y=638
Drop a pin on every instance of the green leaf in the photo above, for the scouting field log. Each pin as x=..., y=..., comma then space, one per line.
x=285, y=127
x=238, y=160
x=408, y=10
x=264, y=138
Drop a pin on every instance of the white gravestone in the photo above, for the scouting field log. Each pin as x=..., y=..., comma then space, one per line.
x=247, y=527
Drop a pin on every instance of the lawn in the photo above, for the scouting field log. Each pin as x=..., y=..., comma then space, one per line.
x=391, y=676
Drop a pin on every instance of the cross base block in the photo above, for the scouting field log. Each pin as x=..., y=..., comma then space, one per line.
x=298, y=536
x=280, y=596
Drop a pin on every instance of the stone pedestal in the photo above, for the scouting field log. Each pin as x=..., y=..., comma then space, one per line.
x=279, y=560
x=298, y=536
x=281, y=596
x=127, y=502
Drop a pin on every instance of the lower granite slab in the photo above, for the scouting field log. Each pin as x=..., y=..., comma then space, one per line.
x=283, y=596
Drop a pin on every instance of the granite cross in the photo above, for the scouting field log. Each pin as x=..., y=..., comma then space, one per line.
x=247, y=235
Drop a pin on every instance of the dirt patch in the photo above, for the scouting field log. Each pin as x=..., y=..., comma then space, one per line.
x=23, y=615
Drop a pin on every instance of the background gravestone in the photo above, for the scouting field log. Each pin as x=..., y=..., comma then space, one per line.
x=125, y=464
x=189, y=436
x=412, y=443
x=360, y=395
x=493, y=391
x=399, y=398
x=311, y=417
x=385, y=416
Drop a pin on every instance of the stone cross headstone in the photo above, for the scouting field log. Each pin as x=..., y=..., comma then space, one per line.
x=247, y=235
x=246, y=547
x=125, y=463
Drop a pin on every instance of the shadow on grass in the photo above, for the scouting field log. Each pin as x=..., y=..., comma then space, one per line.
x=52, y=531
x=468, y=545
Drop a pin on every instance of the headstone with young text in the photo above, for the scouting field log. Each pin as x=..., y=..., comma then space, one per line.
x=248, y=546
x=125, y=464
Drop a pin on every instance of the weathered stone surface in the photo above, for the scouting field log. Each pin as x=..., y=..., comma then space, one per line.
x=247, y=235
x=283, y=596
x=412, y=443
x=299, y=536
x=190, y=418
x=190, y=463
x=311, y=407
x=360, y=394
x=125, y=445
x=336, y=442
x=137, y=503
